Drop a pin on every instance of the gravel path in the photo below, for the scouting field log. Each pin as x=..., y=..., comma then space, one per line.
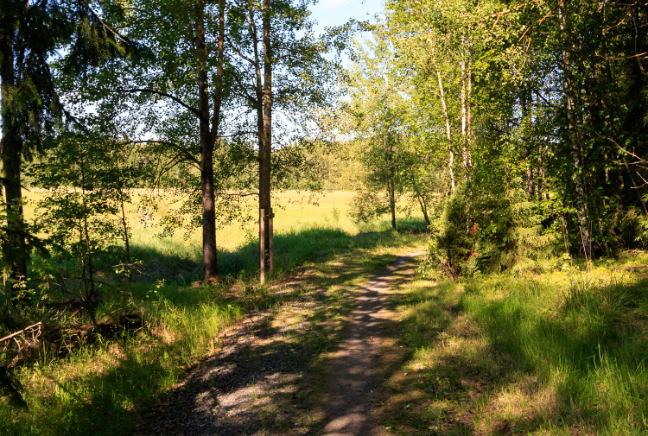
x=366, y=356
x=259, y=382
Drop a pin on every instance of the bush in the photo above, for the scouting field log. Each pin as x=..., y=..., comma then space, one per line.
x=476, y=234
x=368, y=205
x=633, y=227
x=455, y=242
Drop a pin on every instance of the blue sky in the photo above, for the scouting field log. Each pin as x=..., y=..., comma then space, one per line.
x=336, y=12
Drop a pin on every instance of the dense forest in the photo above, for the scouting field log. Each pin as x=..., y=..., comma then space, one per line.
x=506, y=138
x=510, y=114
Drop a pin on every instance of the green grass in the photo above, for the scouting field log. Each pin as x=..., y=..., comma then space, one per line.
x=307, y=226
x=548, y=347
x=98, y=389
x=104, y=388
x=558, y=351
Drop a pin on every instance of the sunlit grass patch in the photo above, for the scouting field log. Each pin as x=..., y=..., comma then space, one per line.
x=98, y=389
x=558, y=351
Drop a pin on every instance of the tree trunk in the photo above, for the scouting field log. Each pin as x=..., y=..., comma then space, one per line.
x=530, y=182
x=15, y=249
x=392, y=202
x=539, y=184
x=210, y=260
x=526, y=106
x=446, y=115
x=424, y=211
x=266, y=267
x=91, y=298
x=125, y=236
x=464, y=115
x=469, y=129
x=258, y=75
x=421, y=201
x=391, y=179
x=574, y=136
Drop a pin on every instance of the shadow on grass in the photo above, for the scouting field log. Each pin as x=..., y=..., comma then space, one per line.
x=292, y=250
x=179, y=266
x=514, y=365
x=107, y=396
x=255, y=384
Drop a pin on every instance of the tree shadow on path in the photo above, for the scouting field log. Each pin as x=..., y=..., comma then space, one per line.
x=271, y=371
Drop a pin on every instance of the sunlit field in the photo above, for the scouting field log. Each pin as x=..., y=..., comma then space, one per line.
x=294, y=211
x=306, y=225
x=103, y=387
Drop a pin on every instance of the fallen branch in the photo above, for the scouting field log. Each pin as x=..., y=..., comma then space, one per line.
x=35, y=330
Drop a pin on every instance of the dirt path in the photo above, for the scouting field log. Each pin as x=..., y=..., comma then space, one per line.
x=263, y=381
x=366, y=356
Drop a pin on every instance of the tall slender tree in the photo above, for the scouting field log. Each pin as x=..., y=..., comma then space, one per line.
x=283, y=77
x=30, y=34
x=209, y=130
x=185, y=68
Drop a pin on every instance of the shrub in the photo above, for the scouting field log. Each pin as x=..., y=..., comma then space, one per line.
x=455, y=242
x=476, y=234
x=633, y=228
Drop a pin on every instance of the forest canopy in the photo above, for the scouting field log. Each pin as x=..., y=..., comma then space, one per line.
x=507, y=124
x=512, y=115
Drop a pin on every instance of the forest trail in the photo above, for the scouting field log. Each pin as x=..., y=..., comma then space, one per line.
x=366, y=355
x=314, y=365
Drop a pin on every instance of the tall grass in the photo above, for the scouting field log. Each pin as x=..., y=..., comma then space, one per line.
x=98, y=389
x=557, y=351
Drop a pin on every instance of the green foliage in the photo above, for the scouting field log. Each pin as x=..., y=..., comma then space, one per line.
x=519, y=129
x=384, y=128
x=87, y=180
x=103, y=388
x=455, y=244
x=549, y=116
x=539, y=352
x=478, y=232
x=633, y=228
x=368, y=205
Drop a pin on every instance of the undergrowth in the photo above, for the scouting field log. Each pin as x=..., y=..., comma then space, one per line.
x=553, y=349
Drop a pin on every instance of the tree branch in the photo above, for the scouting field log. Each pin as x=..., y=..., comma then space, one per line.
x=162, y=94
x=189, y=157
x=237, y=194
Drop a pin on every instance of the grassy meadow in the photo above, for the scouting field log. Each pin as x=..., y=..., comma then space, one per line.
x=305, y=223
x=550, y=346
x=103, y=387
x=294, y=211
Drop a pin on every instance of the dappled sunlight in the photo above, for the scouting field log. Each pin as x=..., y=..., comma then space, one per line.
x=182, y=325
x=523, y=402
x=559, y=352
x=263, y=374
